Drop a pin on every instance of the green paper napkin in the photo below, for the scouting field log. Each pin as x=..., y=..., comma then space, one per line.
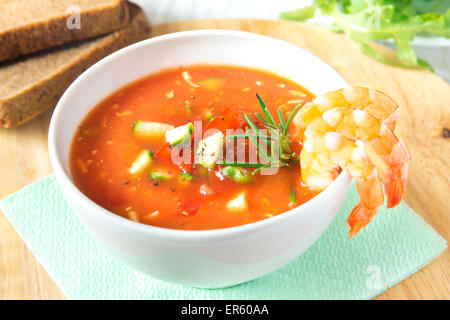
x=396, y=244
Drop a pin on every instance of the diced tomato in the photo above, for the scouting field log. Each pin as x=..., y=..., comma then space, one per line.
x=188, y=208
x=164, y=154
x=229, y=119
x=187, y=167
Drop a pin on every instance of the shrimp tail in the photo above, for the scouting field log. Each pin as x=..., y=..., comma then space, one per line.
x=359, y=218
x=396, y=175
x=371, y=198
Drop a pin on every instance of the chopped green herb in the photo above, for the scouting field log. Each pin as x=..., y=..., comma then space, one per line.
x=208, y=115
x=186, y=176
x=292, y=196
x=160, y=175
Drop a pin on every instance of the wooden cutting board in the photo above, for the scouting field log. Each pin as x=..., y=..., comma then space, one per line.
x=424, y=101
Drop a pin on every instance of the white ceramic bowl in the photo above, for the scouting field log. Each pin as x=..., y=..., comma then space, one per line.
x=212, y=258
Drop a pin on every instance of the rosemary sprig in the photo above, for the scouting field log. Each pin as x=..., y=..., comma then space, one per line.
x=278, y=142
x=269, y=119
x=261, y=151
x=285, y=154
x=291, y=116
x=282, y=120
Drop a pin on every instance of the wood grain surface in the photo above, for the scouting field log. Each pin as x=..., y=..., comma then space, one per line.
x=424, y=101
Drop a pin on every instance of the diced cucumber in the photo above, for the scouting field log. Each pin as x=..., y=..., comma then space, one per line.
x=142, y=162
x=239, y=175
x=161, y=174
x=213, y=84
x=180, y=135
x=238, y=204
x=186, y=176
x=210, y=149
x=150, y=130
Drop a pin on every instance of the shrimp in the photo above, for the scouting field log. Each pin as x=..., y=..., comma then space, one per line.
x=352, y=129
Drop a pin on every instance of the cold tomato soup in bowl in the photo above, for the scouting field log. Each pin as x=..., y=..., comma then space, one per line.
x=121, y=157
x=180, y=154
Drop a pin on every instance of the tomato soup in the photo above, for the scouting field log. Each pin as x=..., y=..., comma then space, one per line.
x=122, y=155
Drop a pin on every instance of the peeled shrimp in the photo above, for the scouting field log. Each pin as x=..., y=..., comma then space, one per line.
x=352, y=129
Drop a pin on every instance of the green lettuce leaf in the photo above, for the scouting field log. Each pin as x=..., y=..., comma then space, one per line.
x=300, y=14
x=365, y=21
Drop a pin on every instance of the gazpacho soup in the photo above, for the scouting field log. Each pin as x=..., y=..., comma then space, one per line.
x=194, y=148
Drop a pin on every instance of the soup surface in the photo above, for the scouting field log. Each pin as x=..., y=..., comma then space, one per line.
x=122, y=153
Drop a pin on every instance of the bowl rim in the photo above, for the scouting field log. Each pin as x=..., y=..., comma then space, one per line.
x=63, y=179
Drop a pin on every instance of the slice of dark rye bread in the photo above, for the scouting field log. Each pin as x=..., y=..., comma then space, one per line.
x=33, y=84
x=27, y=26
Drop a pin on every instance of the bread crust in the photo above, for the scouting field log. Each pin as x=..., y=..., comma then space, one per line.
x=38, y=35
x=30, y=101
